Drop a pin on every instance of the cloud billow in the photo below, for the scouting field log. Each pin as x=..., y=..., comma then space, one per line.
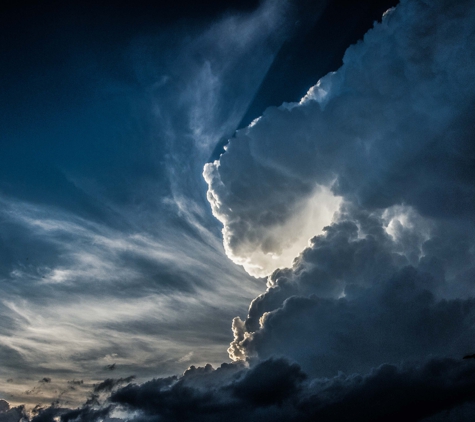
x=352, y=302
x=391, y=126
x=391, y=278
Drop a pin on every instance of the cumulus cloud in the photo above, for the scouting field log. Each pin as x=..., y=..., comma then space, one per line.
x=278, y=390
x=392, y=277
x=391, y=126
x=352, y=302
x=388, y=278
x=11, y=414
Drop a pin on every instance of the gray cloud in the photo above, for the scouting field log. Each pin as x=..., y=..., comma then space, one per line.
x=391, y=126
x=390, y=278
x=14, y=414
x=110, y=383
x=359, y=297
x=277, y=390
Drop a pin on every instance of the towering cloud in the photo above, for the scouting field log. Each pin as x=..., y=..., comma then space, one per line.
x=391, y=126
x=389, y=139
x=391, y=134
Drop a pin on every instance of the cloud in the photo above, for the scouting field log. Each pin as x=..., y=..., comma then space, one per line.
x=186, y=358
x=391, y=126
x=83, y=415
x=278, y=390
x=388, y=277
x=369, y=178
x=363, y=294
x=13, y=415
x=136, y=285
x=110, y=383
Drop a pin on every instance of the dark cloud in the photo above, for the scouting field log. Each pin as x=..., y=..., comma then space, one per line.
x=229, y=392
x=111, y=383
x=4, y=406
x=393, y=393
x=353, y=301
x=270, y=383
x=277, y=390
x=11, y=414
x=85, y=414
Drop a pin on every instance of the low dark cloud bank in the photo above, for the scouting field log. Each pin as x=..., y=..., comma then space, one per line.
x=277, y=390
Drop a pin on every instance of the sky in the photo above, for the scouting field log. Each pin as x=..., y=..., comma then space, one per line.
x=241, y=210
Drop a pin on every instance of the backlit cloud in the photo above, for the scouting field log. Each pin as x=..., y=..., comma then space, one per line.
x=391, y=126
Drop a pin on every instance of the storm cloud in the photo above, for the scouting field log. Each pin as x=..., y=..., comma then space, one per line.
x=278, y=390
x=391, y=126
x=354, y=300
x=357, y=203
